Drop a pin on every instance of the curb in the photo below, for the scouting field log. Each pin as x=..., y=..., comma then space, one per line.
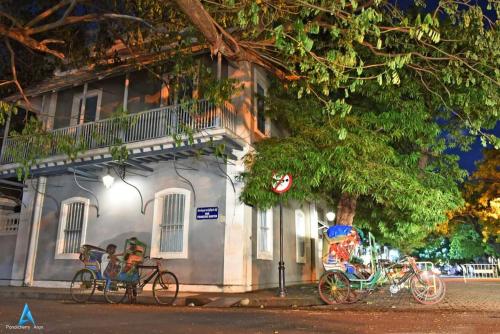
x=197, y=301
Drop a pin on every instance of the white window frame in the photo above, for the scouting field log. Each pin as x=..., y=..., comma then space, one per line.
x=157, y=221
x=260, y=79
x=62, y=225
x=268, y=254
x=75, y=111
x=300, y=231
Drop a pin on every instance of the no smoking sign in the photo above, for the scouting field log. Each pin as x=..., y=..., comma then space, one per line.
x=281, y=183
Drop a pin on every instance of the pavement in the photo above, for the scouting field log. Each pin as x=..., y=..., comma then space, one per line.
x=470, y=296
x=59, y=317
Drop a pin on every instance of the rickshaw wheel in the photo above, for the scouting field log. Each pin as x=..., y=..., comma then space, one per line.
x=83, y=285
x=427, y=289
x=115, y=291
x=165, y=288
x=334, y=287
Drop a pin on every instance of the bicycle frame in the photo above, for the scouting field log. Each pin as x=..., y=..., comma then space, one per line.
x=153, y=274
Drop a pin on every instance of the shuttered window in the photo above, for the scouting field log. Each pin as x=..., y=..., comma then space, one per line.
x=300, y=229
x=265, y=234
x=171, y=223
x=72, y=227
x=172, y=227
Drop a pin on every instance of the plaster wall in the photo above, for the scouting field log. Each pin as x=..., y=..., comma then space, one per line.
x=265, y=272
x=120, y=218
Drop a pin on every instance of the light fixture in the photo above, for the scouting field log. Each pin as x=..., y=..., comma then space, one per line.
x=330, y=216
x=108, y=181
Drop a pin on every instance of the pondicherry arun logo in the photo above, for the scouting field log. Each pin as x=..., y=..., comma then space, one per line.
x=26, y=321
x=26, y=317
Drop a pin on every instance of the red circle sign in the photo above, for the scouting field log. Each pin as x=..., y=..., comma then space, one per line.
x=281, y=183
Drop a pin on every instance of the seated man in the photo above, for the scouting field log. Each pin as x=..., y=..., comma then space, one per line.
x=132, y=256
x=110, y=264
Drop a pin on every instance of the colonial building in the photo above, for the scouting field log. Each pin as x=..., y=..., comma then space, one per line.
x=174, y=194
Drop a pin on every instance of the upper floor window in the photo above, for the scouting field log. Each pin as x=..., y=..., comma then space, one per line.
x=72, y=227
x=263, y=123
x=265, y=234
x=171, y=223
x=90, y=113
x=300, y=230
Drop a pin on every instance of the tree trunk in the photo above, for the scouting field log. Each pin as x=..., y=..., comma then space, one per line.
x=346, y=209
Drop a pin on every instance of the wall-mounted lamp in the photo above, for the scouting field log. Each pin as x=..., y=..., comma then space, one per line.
x=108, y=181
x=330, y=216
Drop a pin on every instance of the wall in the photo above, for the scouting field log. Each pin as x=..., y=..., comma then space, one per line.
x=7, y=248
x=265, y=272
x=121, y=218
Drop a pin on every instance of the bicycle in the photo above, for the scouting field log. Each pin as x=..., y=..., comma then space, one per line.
x=341, y=284
x=165, y=286
x=128, y=282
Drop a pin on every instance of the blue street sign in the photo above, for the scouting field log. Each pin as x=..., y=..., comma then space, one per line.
x=207, y=213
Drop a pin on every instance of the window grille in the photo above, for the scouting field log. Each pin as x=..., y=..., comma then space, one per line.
x=73, y=227
x=172, y=223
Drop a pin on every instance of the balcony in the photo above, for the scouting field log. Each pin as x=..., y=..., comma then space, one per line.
x=148, y=131
x=9, y=223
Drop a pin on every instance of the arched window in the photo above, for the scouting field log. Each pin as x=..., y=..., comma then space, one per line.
x=72, y=227
x=169, y=237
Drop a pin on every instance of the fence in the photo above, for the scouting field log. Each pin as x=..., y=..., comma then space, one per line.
x=425, y=265
x=483, y=270
x=146, y=125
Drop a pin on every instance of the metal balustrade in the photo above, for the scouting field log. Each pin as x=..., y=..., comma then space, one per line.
x=150, y=124
x=425, y=265
x=480, y=270
x=9, y=223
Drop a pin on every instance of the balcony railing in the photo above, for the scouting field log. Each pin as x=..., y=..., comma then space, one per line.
x=146, y=125
x=9, y=223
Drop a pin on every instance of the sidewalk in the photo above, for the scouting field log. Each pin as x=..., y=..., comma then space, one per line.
x=460, y=296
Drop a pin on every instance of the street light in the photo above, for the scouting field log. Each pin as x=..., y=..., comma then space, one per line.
x=108, y=181
x=330, y=216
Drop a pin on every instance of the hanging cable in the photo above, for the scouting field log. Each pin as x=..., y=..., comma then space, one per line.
x=87, y=190
x=185, y=180
x=47, y=195
x=122, y=177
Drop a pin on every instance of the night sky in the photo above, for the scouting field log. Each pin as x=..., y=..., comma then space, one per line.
x=468, y=159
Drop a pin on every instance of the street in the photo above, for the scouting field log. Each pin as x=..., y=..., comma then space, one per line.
x=68, y=317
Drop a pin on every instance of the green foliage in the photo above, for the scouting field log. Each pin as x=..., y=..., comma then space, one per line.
x=436, y=250
x=372, y=152
x=466, y=243
x=34, y=143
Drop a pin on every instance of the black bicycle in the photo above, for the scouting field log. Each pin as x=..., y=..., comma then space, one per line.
x=165, y=285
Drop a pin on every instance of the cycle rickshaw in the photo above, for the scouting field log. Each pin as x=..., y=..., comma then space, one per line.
x=343, y=282
x=124, y=276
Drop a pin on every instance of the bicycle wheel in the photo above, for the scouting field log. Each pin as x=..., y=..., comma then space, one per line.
x=165, y=288
x=115, y=291
x=83, y=285
x=334, y=287
x=427, y=288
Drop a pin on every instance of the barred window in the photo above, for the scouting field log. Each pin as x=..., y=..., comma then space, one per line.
x=72, y=227
x=171, y=220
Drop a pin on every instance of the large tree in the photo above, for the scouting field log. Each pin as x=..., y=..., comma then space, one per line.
x=376, y=82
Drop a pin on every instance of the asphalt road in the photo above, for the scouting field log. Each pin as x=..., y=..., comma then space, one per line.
x=67, y=317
